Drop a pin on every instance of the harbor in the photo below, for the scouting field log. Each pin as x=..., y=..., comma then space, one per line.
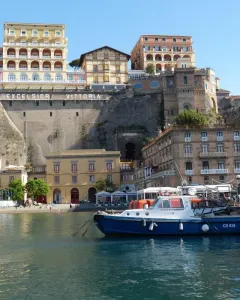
x=40, y=259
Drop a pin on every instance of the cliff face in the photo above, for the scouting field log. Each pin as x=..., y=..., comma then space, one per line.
x=12, y=144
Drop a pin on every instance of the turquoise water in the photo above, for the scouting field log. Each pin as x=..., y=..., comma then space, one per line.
x=40, y=259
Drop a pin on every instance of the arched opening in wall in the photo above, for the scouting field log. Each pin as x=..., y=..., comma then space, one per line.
x=130, y=150
x=158, y=57
x=46, y=65
x=46, y=53
x=176, y=57
x=167, y=67
x=41, y=199
x=35, y=53
x=186, y=56
x=158, y=68
x=23, y=52
x=214, y=105
x=92, y=195
x=57, y=196
x=74, y=196
x=23, y=65
x=186, y=107
x=149, y=57
x=167, y=57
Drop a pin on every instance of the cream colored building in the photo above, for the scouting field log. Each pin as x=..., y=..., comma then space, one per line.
x=105, y=65
x=71, y=174
x=11, y=173
x=202, y=155
x=34, y=54
x=163, y=52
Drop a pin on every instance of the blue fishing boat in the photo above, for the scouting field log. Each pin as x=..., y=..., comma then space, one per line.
x=172, y=215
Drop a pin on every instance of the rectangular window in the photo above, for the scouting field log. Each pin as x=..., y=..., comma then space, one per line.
x=45, y=33
x=117, y=68
x=105, y=55
x=74, y=179
x=57, y=33
x=221, y=178
x=11, y=32
x=64, y=103
x=237, y=164
x=94, y=55
x=106, y=67
x=91, y=167
x=91, y=178
x=188, y=149
x=95, y=68
x=174, y=40
x=236, y=136
x=56, y=180
x=50, y=102
x=95, y=79
x=157, y=48
x=145, y=39
x=195, y=82
x=74, y=168
x=187, y=134
x=50, y=114
x=34, y=32
x=37, y=102
x=109, y=166
x=23, y=32
x=77, y=114
x=184, y=40
x=219, y=134
x=106, y=78
x=185, y=80
x=147, y=48
x=156, y=39
x=11, y=178
x=205, y=148
x=118, y=79
x=185, y=49
x=117, y=56
x=164, y=39
x=205, y=165
x=56, y=168
x=204, y=136
x=188, y=165
x=236, y=147
x=10, y=102
x=24, y=114
x=220, y=148
x=221, y=165
x=109, y=178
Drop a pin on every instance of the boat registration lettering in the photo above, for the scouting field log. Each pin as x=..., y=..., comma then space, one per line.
x=229, y=225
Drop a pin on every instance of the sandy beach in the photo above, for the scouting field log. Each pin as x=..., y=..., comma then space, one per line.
x=36, y=209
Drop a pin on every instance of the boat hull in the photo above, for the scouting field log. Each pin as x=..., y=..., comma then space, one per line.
x=116, y=225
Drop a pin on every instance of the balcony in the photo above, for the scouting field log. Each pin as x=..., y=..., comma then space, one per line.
x=219, y=138
x=214, y=171
x=188, y=139
x=11, y=55
x=236, y=153
x=236, y=138
x=204, y=138
x=213, y=154
x=188, y=154
x=58, y=56
x=237, y=170
x=189, y=172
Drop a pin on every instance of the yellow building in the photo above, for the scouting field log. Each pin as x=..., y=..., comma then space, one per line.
x=34, y=54
x=71, y=174
x=105, y=65
x=11, y=173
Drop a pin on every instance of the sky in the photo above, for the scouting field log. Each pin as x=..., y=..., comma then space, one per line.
x=213, y=25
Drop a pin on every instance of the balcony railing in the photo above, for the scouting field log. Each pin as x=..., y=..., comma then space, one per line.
x=219, y=138
x=189, y=172
x=213, y=154
x=188, y=139
x=188, y=154
x=236, y=137
x=236, y=153
x=204, y=139
x=214, y=171
x=237, y=170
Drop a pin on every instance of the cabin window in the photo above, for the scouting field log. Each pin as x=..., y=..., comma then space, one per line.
x=176, y=203
x=166, y=204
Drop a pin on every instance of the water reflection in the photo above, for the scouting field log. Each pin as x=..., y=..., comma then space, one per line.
x=40, y=259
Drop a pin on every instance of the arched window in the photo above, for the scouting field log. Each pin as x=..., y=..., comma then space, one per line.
x=35, y=77
x=47, y=77
x=58, y=77
x=23, y=77
x=11, y=77
x=186, y=106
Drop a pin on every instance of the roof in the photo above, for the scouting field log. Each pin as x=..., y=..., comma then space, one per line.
x=33, y=24
x=84, y=54
x=223, y=91
x=83, y=153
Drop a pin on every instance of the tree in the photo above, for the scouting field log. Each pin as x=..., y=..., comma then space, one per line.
x=100, y=185
x=104, y=184
x=150, y=69
x=190, y=117
x=17, y=188
x=74, y=64
x=214, y=118
x=36, y=188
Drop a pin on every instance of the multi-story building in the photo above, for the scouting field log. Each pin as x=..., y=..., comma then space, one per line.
x=72, y=174
x=11, y=173
x=200, y=155
x=183, y=88
x=162, y=52
x=1, y=64
x=105, y=65
x=34, y=53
